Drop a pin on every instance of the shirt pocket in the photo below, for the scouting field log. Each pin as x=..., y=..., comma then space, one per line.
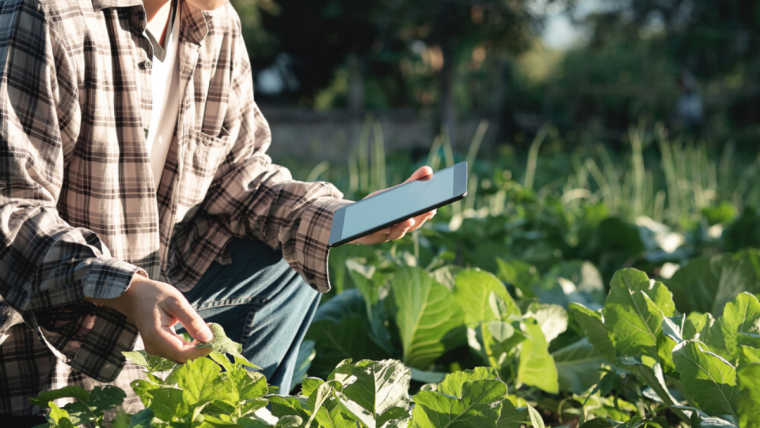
x=202, y=156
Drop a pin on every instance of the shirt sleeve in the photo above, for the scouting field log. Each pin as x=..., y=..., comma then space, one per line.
x=47, y=266
x=257, y=199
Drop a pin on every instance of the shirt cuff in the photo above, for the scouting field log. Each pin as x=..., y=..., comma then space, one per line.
x=312, y=239
x=109, y=278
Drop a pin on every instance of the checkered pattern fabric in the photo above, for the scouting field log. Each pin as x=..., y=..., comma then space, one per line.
x=79, y=211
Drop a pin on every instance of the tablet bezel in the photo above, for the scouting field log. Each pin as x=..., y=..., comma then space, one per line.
x=459, y=191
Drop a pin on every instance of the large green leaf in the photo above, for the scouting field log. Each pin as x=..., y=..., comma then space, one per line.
x=708, y=379
x=634, y=312
x=577, y=366
x=105, y=398
x=370, y=282
x=749, y=396
x=198, y=380
x=336, y=342
x=707, y=284
x=739, y=316
x=73, y=391
x=375, y=390
x=453, y=382
x=330, y=415
x=479, y=406
x=427, y=313
x=594, y=330
x=518, y=273
x=473, y=293
x=536, y=367
x=168, y=403
x=512, y=417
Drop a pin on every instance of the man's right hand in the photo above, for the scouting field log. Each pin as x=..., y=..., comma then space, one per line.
x=155, y=307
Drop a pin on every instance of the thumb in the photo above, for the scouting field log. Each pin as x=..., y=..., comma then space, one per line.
x=193, y=323
x=422, y=172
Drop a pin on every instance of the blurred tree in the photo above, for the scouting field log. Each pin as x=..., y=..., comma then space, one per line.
x=410, y=47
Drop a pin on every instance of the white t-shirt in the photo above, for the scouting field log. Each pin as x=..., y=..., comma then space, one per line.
x=166, y=98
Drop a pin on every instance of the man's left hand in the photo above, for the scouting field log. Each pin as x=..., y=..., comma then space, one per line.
x=398, y=231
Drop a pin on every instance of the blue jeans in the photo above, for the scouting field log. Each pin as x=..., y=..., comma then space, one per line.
x=262, y=303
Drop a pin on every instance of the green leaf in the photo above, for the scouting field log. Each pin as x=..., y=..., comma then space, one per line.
x=511, y=417
x=473, y=292
x=73, y=391
x=748, y=406
x=536, y=367
x=306, y=354
x=453, y=382
x=709, y=379
x=634, y=312
x=331, y=415
x=317, y=399
x=518, y=273
x=594, y=330
x=336, y=342
x=427, y=312
x=221, y=343
x=142, y=388
x=150, y=362
x=253, y=405
x=104, y=398
x=370, y=283
x=284, y=406
x=79, y=413
x=223, y=360
x=707, y=284
x=500, y=330
x=168, y=403
x=248, y=385
x=61, y=417
x=374, y=390
x=551, y=318
x=739, y=316
x=535, y=418
x=478, y=406
x=712, y=336
x=197, y=379
x=694, y=324
x=289, y=421
x=143, y=419
x=577, y=366
x=747, y=356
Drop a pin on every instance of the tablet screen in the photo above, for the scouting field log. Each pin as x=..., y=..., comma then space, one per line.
x=398, y=202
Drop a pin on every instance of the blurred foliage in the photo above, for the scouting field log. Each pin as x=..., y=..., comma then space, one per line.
x=484, y=58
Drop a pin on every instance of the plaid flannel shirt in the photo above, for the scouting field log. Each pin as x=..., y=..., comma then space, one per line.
x=79, y=211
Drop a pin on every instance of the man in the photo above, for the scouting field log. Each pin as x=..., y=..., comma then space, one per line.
x=135, y=193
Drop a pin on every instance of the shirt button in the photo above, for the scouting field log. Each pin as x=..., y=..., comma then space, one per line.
x=310, y=275
x=146, y=65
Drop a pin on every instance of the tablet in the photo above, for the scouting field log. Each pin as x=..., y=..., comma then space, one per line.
x=398, y=204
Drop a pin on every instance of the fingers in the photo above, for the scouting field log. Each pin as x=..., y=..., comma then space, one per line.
x=399, y=230
x=164, y=343
x=421, y=219
x=193, y=323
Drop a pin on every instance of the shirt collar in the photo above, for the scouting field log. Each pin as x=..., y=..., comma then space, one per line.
x=194, y=21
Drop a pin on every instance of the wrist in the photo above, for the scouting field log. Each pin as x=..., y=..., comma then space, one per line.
x=122, y=303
